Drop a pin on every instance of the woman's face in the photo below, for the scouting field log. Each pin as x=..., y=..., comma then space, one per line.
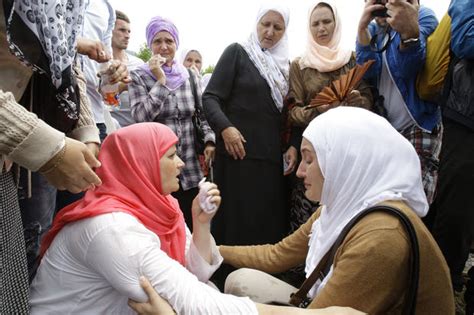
x=310, y=172
x=170, y=167
x=193, y=58
x=270, y=29
x=322, y=25
x=163, y=43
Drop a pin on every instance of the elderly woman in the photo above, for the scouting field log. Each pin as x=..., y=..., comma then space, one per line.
x=163, y=91
x=323, y=61
x=349, y=167
x=129, y=227
x=243, y=103
x=192, y=59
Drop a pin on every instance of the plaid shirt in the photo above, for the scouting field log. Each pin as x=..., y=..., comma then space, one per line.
x=151, y=101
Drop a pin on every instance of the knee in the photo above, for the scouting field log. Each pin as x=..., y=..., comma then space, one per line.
x=235, y=281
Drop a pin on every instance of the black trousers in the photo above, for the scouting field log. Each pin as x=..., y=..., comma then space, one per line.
x=185, y=199
x=453, y=226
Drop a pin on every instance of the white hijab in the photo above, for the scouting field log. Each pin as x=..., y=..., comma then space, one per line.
x=273, y=64
x=364, y=161
x=325, y=58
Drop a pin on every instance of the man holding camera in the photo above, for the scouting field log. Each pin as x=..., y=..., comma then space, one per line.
x=397, y=42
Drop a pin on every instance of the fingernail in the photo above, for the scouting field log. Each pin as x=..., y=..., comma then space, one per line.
x=141, y=279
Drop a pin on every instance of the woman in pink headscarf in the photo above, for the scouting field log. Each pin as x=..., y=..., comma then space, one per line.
x=164, y=91
x=323, y=61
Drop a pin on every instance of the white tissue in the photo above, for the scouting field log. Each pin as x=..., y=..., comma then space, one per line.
x=204, y=199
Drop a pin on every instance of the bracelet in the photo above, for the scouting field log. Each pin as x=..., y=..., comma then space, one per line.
x=60, y=158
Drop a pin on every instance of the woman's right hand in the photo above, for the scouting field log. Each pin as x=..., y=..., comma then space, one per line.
x=234, y=142
x=325, y=108
x=155, y=63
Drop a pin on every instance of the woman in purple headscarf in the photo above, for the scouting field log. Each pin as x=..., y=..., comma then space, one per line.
x=164, y=91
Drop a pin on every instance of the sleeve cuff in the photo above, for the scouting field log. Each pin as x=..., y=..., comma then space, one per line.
x=201, y=268
x=86, y=134
x=39, y=147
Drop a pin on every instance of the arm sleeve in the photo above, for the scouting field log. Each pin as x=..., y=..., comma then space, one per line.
x=462, y=28
x=364, y=53
x=375, y=265
x=288, y=253
x=146, y=105
x=408, y=62
x=25, y=138
x=220, y=88
x=121, y=254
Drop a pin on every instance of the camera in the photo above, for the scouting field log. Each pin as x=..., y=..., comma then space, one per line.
x=382, y=12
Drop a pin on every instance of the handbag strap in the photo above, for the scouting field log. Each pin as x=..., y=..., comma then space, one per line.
x=327, y=261
x=194, y=91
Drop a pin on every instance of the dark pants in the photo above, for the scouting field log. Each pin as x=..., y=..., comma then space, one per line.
x=453, y=225
x=185, y=199
x=102, y=131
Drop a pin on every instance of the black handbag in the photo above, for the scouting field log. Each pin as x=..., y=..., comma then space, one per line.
x=199, y=143
x=300, y=298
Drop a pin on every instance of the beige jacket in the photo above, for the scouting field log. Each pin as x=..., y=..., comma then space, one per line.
x=24, y=138
x=370, y=268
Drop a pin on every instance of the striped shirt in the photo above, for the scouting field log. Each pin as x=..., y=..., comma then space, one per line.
x=151, y=101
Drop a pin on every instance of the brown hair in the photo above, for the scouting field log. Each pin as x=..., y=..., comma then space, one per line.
x=119, y=15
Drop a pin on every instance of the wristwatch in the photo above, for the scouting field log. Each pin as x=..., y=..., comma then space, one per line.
x=410, y=41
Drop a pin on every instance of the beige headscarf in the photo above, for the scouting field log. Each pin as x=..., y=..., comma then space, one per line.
x=325, y=58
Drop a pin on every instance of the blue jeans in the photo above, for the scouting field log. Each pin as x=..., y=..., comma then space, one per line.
x=37, y=213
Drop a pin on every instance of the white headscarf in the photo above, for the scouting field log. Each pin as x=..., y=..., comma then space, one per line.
x=325, y=58
x=273, y=64
x=364, y=161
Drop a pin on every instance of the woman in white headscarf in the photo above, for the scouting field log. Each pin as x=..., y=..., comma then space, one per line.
x=323, y=61
x=352, y=160
x=243, y=103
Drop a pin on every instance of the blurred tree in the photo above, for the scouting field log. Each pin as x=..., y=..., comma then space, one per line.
x=144, y=53
x=209, y=69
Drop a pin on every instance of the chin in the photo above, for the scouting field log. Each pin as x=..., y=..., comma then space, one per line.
x=310, y=196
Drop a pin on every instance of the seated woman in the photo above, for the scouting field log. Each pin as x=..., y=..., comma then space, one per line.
x=129, y=227
x=353, y=159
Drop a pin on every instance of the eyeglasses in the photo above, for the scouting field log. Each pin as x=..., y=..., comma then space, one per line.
x=386, y=40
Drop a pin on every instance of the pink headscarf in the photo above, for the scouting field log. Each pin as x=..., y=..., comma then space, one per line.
x=130, y=173
x=325, y=58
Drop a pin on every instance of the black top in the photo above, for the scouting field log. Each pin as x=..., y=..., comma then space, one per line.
x=237, y=95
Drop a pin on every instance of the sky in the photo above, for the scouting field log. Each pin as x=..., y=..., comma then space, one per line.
x=209, y=26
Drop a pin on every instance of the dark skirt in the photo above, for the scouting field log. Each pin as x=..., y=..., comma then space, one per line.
x=254, y=202
x=13, y=266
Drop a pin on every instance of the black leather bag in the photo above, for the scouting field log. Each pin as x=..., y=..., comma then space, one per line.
x=198, y=132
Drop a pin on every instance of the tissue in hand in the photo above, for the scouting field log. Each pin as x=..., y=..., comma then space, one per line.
x=204, y=199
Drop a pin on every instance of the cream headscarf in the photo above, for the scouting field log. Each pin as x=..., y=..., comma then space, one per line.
x=273, y=64
x=325, y=58
x=364, y=161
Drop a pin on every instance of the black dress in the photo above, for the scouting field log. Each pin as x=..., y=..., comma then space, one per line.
x=254, y=195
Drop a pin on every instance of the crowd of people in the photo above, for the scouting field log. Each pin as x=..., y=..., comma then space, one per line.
x=357, y=205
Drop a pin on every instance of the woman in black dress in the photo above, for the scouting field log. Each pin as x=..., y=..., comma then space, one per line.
x=243, y=104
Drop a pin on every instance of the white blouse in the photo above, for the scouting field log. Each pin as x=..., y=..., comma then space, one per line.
x=93, y=266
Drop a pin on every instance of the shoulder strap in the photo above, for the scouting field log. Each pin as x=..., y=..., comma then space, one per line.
x=194, y=91
x=328, y=259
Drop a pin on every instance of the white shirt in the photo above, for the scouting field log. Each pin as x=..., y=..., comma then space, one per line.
x=99, y=22
x=397, y=111
x=93, y=266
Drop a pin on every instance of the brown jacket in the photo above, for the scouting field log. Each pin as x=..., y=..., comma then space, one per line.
x=307, y=83
x=370, y=270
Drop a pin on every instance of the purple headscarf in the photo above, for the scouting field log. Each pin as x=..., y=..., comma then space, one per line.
x=177, y=74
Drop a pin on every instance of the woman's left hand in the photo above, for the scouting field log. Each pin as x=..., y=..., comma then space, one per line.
x=209, y=152
x=155, y=305
x=199, y=215
x=291, y=157
x=354, y=98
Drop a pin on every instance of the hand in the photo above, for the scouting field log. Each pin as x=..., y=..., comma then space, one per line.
x=234, y=142
x=325, y=108
x=118, y=72
x=195, y=71
x=75, y=171
x=367, y=14
x=354, y=98
x=94, y=148
x=95, y=50
x=201, y=217
x=156, y=305
x=209, y=153
x=291, y=157
x=155, y=63
x=404, y=17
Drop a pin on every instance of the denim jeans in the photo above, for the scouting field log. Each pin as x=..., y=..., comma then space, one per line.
x=37, y=213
